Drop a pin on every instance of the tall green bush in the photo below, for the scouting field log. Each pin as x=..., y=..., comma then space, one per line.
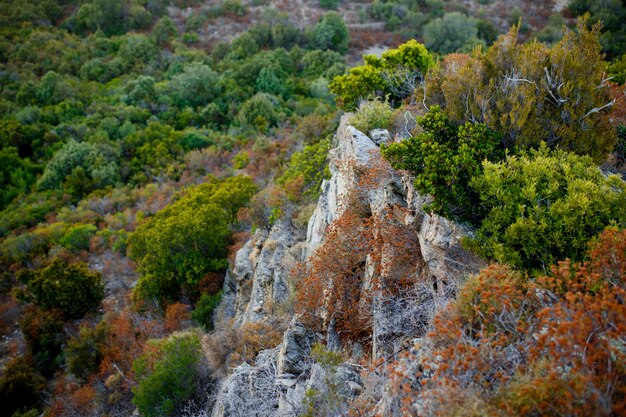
x=188, y=238
x=444, y=158
x=70, y=288
x=543, y=206
x=168, y=374
x=394, y=75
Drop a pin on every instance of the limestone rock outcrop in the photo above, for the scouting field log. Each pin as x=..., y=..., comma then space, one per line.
x=280, y=377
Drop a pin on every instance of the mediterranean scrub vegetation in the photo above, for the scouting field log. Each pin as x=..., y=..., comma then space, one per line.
x=143, y=142
x=132, y=147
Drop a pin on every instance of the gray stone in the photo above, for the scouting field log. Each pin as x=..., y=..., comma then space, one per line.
x=295, y=349
x=380, y=136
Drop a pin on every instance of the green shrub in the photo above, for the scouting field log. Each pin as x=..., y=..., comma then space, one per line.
x=188, y=238
x=329, y=4
x=444, y=158
x=259, y=112
x=71, y=288
x=617, y=70
x=168, y=374
x=310, y=166
x=203, y=313
x=44, y=335
x=331, y=32
x=544, y=206
x=450, y=33
x=373, y=114
x=164, y=30
x=84, y=352
x=77, y=237
x=394, y=75
x=20, y=387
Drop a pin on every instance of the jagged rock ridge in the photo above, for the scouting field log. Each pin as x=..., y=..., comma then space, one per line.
x=277, y=384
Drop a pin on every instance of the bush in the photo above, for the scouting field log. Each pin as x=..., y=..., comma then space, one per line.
x=311, y=167
x=77, y=238
x=44, y=335
x=20, y=387
x=444, y=158
x=71, y=288
x=203, y=313
x=84, y=352
x=329, y=4
x=394, y=76
x=188, y=238
x=450, y=33
x=331, y=32
x=164, y=31
x=79, y=163
x=374, y=114
x=168, y=374
x=259, y=112
x=530, y=103
x=543, y=206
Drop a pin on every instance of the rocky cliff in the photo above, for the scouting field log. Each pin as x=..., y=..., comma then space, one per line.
x=278, y=383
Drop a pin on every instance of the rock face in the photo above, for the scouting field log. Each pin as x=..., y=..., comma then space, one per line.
x=277, y=383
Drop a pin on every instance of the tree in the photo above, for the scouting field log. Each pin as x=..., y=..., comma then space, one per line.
x=259, y=112
x=20, y=387
x=141, y=92
x=329, y=4
x=169, y=373
x=16, y=175
x=187, y=239
x=84, y=352
x=77, y=238
x=444, y=158
x=532, y=93
x=331, y=32
x=80, y=161
x=71, y=288
x=164, y=31
x=44, y=334
x=394, y=76
x=543, y=206
x=197, y=85
x=205, y=307
x=611, y=13
x=450, y=33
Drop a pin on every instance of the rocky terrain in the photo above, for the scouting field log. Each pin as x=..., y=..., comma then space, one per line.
x=280, y=377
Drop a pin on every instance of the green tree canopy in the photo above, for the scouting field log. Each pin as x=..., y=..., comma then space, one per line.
x=449, y=33
x=331, y=32
x=188, y=238
x=544, y=206
x=394, y=75
x=168, y=374
x=444, y=158
x=71, y=288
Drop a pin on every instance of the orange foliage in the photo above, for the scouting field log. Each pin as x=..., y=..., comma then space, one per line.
x=509, y=345
x=177, y=317
x=331, y=286
x=618, y=112
x=72, y=400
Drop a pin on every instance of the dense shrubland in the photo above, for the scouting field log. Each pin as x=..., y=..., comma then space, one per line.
x=134, y=159
x=120, y=134
x=508, y=141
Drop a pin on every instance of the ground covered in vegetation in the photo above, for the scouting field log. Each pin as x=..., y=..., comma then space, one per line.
x=142, y=141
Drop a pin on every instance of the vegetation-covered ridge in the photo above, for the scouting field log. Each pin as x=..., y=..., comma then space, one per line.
x=143, y=143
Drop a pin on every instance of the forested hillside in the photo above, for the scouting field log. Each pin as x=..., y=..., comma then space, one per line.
x=189, y=188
